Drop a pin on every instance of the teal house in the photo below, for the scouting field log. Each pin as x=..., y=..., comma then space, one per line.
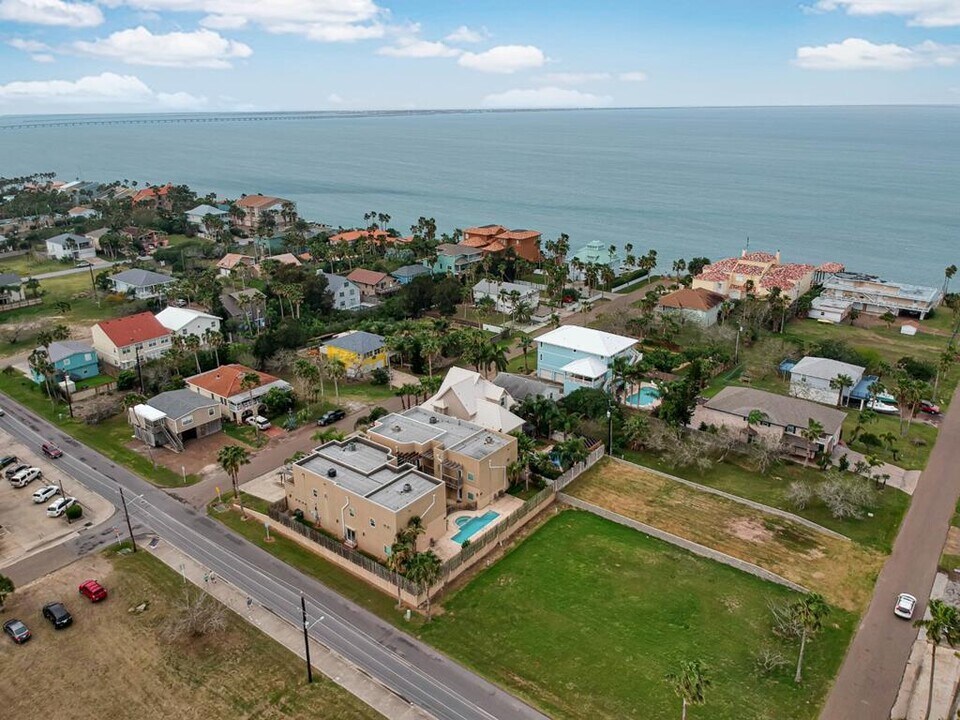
x=455, y=259
x=72, y=359
x=581, y=357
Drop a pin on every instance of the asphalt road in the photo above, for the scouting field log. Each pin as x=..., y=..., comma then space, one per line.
x=409, y=668
x=870, y=676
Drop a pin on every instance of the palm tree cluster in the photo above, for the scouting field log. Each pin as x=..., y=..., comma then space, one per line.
x=423, y=568
x=942, y=627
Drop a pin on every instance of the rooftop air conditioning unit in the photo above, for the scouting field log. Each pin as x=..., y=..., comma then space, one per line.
x=332, y=473
x=396, y=428
x=489, y=440
x=433, y=420
x=352, y=447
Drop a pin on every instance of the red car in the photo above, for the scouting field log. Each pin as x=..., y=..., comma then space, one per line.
x=93, y=590
x=929, y=407
x=51, y=450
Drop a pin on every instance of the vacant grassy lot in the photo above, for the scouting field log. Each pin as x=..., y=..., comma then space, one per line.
x=737, y=477
x=27, y=265
x=114, y=664
x=841, y=570
x=585, y=618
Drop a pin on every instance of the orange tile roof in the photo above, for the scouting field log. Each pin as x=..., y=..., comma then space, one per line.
x=226, y=380
x=519, y=235
x=349, y=236
x=831, y=267
x=258, y=201
x=133, y=329
x=759, y=256
x=486, y=230
x=495, y=246
x=366, y=277
x=478, y=242
x=685, y=298
x=150, y=193
x=231, y=260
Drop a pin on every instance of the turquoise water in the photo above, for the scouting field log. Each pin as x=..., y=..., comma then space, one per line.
x=470, y=526
x=645, y=396
x=875, y=188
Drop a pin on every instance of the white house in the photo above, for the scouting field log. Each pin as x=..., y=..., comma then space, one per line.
x=811, y=377
x=507, y=295
x=830, y=310
x=71, y=247
x=125, y=341
x=186, y=321
x=197, y=215
x=144, y=284
x=11, y=288
x=467, y=395
x=580, y=356
x=346, y=295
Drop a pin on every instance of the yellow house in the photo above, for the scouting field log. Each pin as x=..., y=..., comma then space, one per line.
x=359, y=351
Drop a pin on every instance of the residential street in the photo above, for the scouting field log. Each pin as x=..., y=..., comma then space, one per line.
x=412, y=670
x=870, y=676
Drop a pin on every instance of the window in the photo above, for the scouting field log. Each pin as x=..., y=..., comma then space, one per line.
x=469, y=496
x=351, y=512
x=387, y=550
x=187, y=420
x=469, y=477
x=315, y=494
x=66, y=362
x=373, y=523
x=210, y=412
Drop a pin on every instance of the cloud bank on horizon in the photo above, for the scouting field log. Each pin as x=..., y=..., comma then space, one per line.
x=164, y=55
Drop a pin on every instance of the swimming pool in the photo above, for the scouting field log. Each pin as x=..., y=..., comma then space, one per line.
x=470, y=526
x=646, y=397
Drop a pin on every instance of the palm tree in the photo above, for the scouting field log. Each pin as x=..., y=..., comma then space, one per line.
x=192, y=343
x=231, y=458
x=948, y=274
x=943, y=626
x=807, y=613
x=689, y=683
x=250, y=381
x=946, y=360
x=400, y=553
x=425, y=569
x=525, y=451
x=840, y=383
x=571, y=451
x=431, y=346
x=39, y=362
x=525, y=342
x=812, y=432
x=336, y=371
x=216, y=341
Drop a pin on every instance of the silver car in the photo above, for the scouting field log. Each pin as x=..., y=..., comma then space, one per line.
x=45, y=493
x=905, y=606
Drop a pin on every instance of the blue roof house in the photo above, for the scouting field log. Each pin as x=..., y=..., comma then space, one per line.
x=579, y=357
x=72, y=359
x=407, y=273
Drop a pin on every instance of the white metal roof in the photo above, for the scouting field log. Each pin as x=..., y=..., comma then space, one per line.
x=174, y=318
x=826, y=369
x=587, y=367
x=151, y=414
x=588, y=340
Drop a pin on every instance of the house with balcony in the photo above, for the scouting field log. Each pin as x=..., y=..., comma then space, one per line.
x=362, y=492
x=784, y=419
x=346, y=295
x=255, y=207
x=507, y=295
x=198, y=217
x=172, y=418
x=581, y=357
x=455, y=259
x=70, y=246
x=360, y=352
x=124, y=342
x=226, y=385
x=71, y=359
x=142, y=284
x=373, y=284
x=232, y=261
x=187, y=321
x=875, y=296
x=471, y=461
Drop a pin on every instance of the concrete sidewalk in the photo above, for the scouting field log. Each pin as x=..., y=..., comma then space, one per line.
x=905, y=480
x=290, y=636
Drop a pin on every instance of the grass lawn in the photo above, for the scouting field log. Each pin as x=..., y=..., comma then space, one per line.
x=95, y=381
x=585, y=618
x=245, y=434
x=360, y=392
x=72, y=289
x=742, y=480
x=28, y=265
x=517, y=365
x=129, y=666
x=843, y=571
x=910, y=456
x=109, y=438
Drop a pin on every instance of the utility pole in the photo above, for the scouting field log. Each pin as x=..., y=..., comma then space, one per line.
x=136, y=350
x=93, y=284
x=126, y=514
x=306, y=635
x=609, y=431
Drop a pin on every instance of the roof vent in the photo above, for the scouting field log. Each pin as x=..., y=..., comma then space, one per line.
x=489, y=440
x=396, y=428
x=332, y=473
x=407, y=487
x=433, y=420
x=352, y=447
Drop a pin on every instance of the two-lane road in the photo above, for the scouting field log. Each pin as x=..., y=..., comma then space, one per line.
x=870, y=676
x=409, y=668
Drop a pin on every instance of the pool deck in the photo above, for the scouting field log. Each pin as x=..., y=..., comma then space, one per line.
x=446, y=548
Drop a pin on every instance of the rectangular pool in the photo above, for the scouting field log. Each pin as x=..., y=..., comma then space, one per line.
x=470, y=526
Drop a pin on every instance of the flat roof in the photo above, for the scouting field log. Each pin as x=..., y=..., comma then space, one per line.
x=419, y=425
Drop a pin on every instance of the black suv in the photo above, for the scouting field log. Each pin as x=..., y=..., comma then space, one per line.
x=7, y=460
x=330, y=417
x=57, y=614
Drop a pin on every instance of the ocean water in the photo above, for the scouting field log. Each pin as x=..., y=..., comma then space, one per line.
x=875, y=188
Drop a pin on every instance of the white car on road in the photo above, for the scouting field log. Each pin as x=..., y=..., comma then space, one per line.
x=59, y=507
x=45, y=493
x=905, y=606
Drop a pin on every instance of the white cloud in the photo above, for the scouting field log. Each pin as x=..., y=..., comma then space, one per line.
x=860, y=54
x=635, y=76
x=463, y=34
x=504, y=59
x=139, y=46
x=414, y=48
x=575, y=78
x=546, y=97
x=28, y=45
x=43, y=58
x=106, y=88
x=51, y=12
x=923, y=13
x=320, y=20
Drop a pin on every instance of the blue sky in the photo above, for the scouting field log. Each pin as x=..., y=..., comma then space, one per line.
x=173, y=55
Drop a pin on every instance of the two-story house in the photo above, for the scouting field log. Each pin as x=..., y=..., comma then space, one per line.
x=187, y=321
x=814, y=378
x=228, y=386
x=455, y=259
x=71, y=359
x=361, y=352
x=580, y=357
x=198, y=217
x=70, y=246
x=373, y=284
x=255, y=207
x=346, y=295
x=124, y=342
x=142, y=284
x=171, y=418
x=11, y=288
x=507, y=295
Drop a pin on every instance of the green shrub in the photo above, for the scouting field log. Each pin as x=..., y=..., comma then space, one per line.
x=74, y=512
x=380, y=376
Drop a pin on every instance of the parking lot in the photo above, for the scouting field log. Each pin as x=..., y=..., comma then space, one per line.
x=25, y=526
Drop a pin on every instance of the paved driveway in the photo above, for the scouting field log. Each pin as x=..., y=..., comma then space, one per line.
x=870, y=676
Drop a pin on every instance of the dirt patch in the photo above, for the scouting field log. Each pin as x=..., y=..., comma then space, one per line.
x=952, y=545
x=750, y=529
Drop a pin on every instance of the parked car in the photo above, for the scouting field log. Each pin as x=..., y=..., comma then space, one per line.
x=882, y=407
x=330, y=417
x=905, y=606
x=258, y=421
x=2, y=412
x=7, y=460
x=930, y=408
x=51, y=450
x=19, y=632
x=93, y=590
x=11, y=471
x=57, y=614
x=25, y=477
x=45, y=493
x=59, y=507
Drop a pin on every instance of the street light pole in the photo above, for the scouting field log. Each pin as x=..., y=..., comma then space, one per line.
x=306, y=636
x=126, y=514
x=609, y=431
x=736, y=351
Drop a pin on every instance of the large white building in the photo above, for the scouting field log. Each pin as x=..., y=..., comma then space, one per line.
x=876, y=296
x=467, y=395
x=581, y=357
x=507, y=295
x=810, y=379
x=186, y=321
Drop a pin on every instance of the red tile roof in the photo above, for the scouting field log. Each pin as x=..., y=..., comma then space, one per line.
x=349, y=236
x=133, y=329
x=519, y=235
x=259, y=201
x=486, y=230
x=495, y=246
x=831, y=267
x=231, y=260
x=151, y=193
x=759, y=256
x=699, y=299
x=226, y=380
x=476, y=242
x=367, y=277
